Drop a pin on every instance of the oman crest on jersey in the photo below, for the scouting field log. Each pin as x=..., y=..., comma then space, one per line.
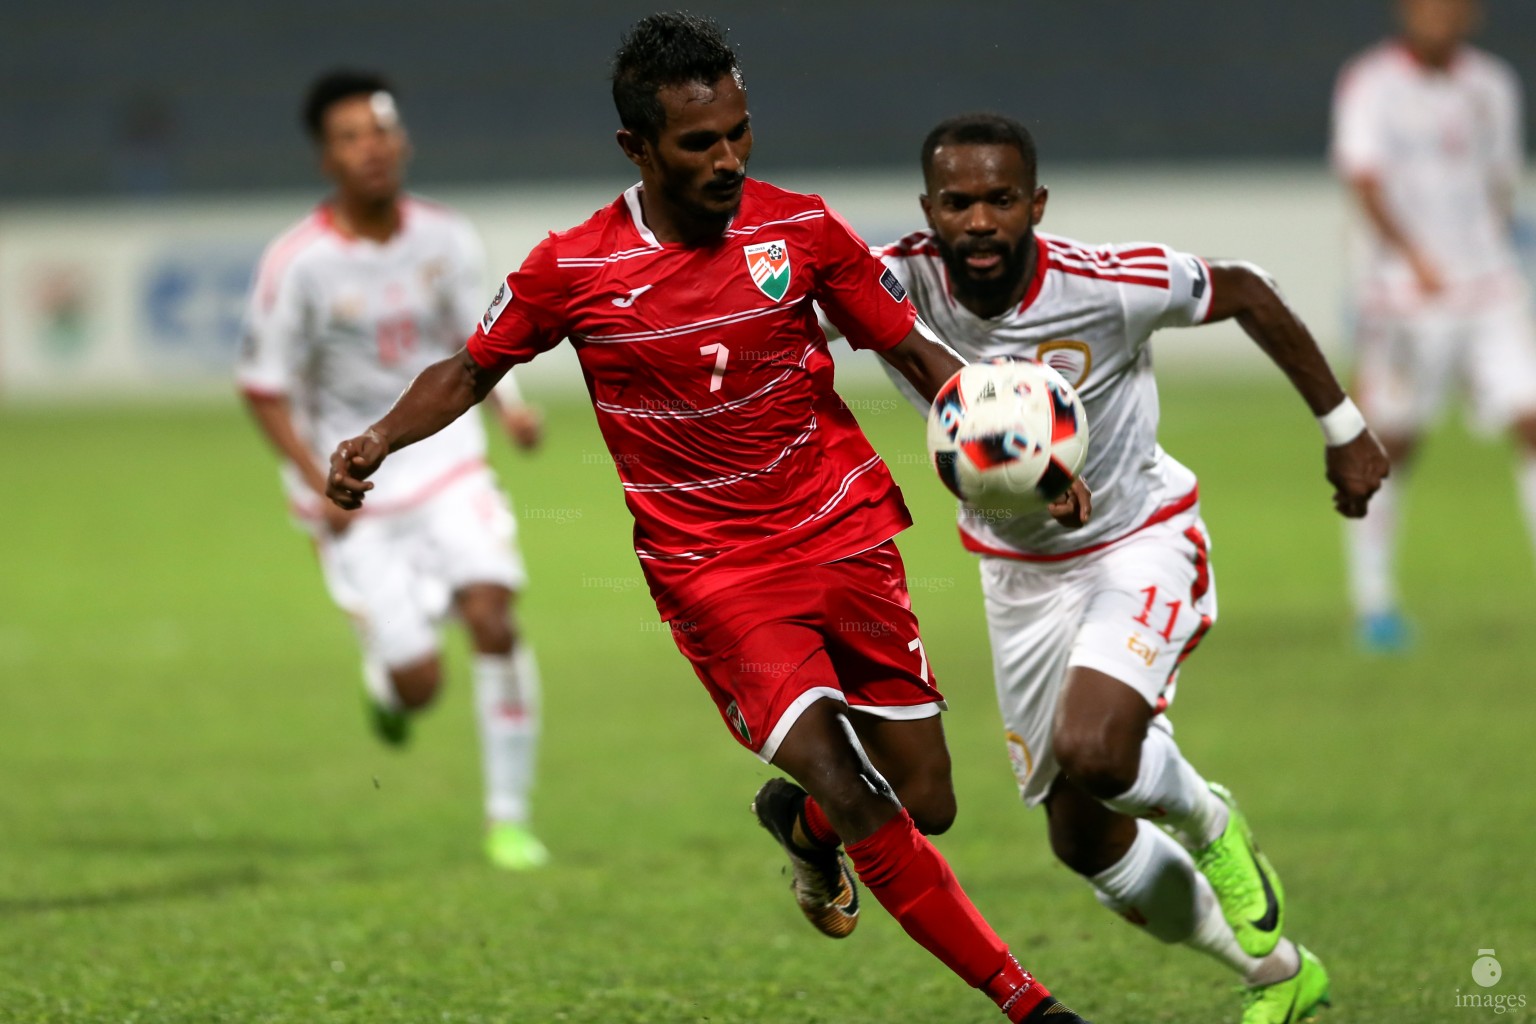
x=769, y=264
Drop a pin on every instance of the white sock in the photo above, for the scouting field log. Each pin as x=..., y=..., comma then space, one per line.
x=507, y=705
x=1168, y=788
x=380, y=687
x=1157, y=886
x=1525, y=477
x=1372, y=549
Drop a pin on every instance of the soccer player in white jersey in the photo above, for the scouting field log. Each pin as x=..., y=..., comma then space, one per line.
x=1427, y=134
x=348, y=306
x=1089, y=625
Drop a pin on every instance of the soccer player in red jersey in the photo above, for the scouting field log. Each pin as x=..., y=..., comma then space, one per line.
x=763, y=518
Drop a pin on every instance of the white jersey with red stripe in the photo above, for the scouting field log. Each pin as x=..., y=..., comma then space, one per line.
x=340, y=326
x=1089, y=312
x=1445, y=146
x=712, y=382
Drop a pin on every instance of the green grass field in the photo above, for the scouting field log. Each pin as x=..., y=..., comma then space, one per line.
x=197, y=827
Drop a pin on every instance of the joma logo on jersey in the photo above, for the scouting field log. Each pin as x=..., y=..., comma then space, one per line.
x=768, y=262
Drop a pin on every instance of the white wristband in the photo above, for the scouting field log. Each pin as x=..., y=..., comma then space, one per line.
x=1343, y=424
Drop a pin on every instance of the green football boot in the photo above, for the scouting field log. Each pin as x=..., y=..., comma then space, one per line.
x=514, y=848
x=1291, y=1001
x=1252, y=899
x=391, y=725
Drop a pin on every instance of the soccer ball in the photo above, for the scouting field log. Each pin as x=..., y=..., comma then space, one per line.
x=1007, y=435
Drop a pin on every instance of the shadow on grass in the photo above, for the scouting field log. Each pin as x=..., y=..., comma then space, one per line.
x=240, y=845
x=208, y=883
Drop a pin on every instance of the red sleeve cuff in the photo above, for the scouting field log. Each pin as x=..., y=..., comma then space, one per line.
x=886, y=344
x=476, y=347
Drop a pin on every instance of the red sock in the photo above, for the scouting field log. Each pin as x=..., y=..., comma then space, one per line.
x=816, y=824
x=1014, y=990
x=914, y=884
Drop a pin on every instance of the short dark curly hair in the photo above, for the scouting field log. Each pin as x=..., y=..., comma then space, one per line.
x=333, y=87
x=983, y=129
x=670, y=48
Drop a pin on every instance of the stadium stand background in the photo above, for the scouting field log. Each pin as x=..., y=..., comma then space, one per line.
x=147, y=152
x=161, y=96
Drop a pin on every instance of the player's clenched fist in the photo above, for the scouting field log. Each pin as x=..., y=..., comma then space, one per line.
x=1356, y=470
x=524, y=425
x=1074, y=508
x=353, y=461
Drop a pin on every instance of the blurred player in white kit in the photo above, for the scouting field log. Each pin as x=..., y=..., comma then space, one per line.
x=348, y=306
x=1427, y=134
x=1091, y=623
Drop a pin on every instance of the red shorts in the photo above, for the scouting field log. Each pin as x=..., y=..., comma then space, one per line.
x=768, y=650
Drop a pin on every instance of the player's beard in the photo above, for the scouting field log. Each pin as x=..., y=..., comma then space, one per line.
x=693, y=204
x=995, y=290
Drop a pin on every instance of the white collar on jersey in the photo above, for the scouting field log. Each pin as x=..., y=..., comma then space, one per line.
x=632, y=200
x=637, y=215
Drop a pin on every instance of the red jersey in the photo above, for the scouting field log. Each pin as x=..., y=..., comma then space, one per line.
x=712, y=381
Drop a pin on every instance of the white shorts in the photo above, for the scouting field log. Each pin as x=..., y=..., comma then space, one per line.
x=1133, y=611
x=395, y=574
x=1409, y=364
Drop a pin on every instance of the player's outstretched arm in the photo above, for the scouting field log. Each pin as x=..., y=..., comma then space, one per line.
x=1356, y=463
x=1368, y=193
x=273, y=413
x=274, y=417
x=439, y=395
x=924, y=360
x=520, y=420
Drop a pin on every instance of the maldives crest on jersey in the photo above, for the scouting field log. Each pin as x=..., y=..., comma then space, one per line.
x=769, y=265
x=738, y=721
